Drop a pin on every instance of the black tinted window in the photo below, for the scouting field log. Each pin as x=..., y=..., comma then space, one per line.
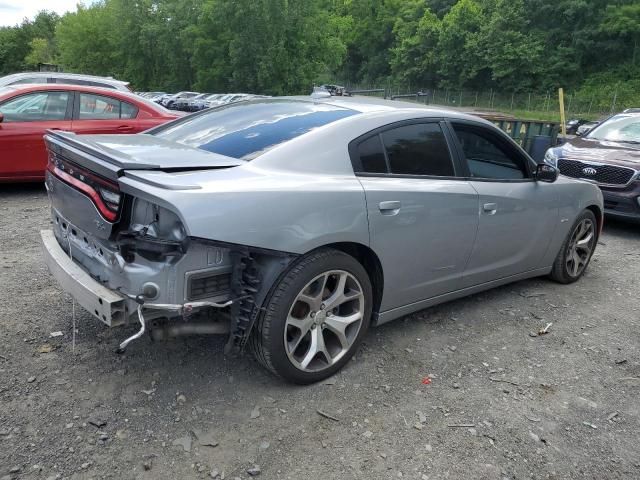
x=247, y=129
x=372, y=156
x=487, y=157
x=418, y=149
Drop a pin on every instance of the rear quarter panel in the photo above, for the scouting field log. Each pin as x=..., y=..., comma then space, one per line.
x=288, y=212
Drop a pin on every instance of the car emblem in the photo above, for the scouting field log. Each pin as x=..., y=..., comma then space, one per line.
x=589, y=171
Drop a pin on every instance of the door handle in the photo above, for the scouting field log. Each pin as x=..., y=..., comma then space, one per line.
x=391, y=207
x=490, y=208
x=125, y=128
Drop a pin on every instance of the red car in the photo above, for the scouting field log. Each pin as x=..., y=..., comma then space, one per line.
x=28, y=111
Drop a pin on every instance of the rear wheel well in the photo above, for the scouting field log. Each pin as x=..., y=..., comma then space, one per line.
x=371, y=263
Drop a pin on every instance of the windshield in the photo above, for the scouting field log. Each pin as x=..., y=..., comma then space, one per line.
x=246, y=130
x=619, y=128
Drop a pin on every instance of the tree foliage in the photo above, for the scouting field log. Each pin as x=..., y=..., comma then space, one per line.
x=285, y=46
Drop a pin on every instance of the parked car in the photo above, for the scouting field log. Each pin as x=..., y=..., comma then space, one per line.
x=573, y=125
x=152, y=95
x=28, y=111
x=200, y=103
x=335, y=90
x=170, y=101
x=184, y=104
x=586, y=128
x=608, y=156
x=304, y=222
x=65, y=78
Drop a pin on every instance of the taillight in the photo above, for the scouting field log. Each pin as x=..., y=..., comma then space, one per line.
x=104, y=193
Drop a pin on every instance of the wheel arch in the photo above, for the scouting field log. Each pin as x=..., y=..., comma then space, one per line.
x=371, y=263
x=599, y=216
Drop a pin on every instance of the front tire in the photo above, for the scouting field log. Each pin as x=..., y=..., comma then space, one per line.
x=577, y=249
x=314, y=318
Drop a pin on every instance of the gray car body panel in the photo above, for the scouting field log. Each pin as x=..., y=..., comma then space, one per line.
x=304, y=194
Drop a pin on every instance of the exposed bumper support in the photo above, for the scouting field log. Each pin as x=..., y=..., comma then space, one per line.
x=105, y=304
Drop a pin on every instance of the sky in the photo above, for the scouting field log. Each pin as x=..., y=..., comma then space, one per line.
x=13, y=11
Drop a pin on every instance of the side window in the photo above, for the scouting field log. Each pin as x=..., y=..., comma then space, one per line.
x=418, y=149
x=487, y=157
x=98, y=107
x=127, y=110
x=37, y=106
x=372, y=156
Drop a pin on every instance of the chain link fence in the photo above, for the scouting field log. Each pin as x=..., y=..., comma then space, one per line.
x=544, y=105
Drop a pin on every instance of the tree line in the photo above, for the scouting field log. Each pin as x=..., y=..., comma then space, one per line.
x=286, y=46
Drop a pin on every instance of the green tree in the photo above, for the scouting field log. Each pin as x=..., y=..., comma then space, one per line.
x=461, y=59
x=414, y=59
x=509, y=51
x=624, y=21
x=267, y=46
x=41, y=52
x=87, y=40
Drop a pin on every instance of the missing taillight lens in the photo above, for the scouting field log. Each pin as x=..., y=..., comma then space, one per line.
x=104, y=193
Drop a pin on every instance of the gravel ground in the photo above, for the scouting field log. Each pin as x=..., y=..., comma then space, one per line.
x=466, y=390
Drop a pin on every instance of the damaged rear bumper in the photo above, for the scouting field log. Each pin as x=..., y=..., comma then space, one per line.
x=106, y=305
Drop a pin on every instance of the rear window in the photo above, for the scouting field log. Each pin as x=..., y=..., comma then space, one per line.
x=246, y=130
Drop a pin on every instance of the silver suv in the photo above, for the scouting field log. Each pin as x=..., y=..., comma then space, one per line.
x=67, y=78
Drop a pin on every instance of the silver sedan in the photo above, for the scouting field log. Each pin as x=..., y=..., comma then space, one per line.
x=293, y=225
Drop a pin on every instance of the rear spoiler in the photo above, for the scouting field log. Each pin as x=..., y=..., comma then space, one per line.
x=111, y=155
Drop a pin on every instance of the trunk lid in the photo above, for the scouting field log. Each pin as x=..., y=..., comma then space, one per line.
x=134, y=152
x=83, y=173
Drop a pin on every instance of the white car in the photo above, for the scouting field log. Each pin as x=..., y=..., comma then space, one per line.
x=66, y=78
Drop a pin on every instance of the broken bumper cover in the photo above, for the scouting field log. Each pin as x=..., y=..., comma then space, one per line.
x=108, y=306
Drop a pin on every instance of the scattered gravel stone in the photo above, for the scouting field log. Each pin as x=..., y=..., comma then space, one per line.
x=255, y=413
x=98, y=422
x=184, y=442
x=254, y=471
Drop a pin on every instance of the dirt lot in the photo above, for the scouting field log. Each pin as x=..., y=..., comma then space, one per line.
x=502, y=403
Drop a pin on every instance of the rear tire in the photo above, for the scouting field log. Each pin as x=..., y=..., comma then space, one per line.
x=314, y=318
x=577, y=249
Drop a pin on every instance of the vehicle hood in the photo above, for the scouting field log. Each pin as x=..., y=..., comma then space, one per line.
x=601, y=151
x=142, y=152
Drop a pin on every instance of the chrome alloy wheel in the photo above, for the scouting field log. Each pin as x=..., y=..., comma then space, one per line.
x=324, y=321
x=580, y=247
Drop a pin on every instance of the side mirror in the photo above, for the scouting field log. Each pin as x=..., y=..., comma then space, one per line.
x=546, y=173
x=1, y=117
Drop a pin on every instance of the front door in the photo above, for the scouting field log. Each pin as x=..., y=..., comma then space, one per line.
x=517, y=214
x=27, y=117
x=422, y=219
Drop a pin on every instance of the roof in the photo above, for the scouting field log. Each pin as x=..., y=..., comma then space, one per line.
x=365, y=104
x=79, y=76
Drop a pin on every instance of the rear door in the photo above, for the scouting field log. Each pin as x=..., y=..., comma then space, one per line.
x=517, y=214
x=422, y=218
x=26, y=119
x=96, y=114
